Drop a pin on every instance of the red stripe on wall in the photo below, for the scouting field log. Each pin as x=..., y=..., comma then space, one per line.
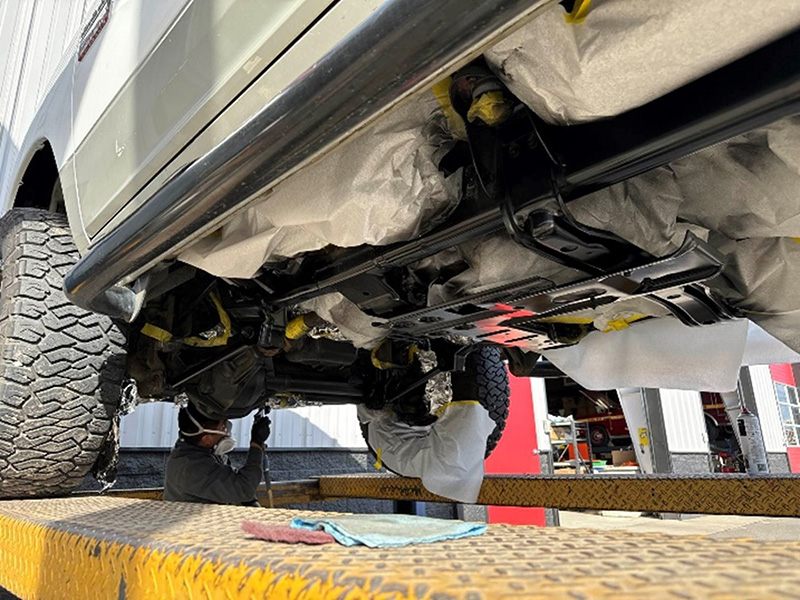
x=515, y=453
x=794, y=458
x=782, y=374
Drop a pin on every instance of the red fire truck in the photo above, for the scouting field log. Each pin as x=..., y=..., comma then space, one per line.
x=609, y=427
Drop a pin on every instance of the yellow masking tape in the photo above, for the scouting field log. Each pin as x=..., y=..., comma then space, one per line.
x=151, y=331
x=296, y=328
x=382, y=365
x=219, y=340
x=491, y=108
x=580, y=10
x=624, y=323
x=442, y=92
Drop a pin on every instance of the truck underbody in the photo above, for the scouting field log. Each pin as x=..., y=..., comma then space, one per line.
x=232, y=344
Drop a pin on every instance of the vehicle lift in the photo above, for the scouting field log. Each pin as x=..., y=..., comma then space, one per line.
x=129, y=544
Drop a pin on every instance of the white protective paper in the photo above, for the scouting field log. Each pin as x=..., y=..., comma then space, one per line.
x=353, y=323
x=627, y=53
x=380, y=188
x=447, y=456
x=664, y=353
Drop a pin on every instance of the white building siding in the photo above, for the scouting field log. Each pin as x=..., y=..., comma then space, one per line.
x=767, y=405
x=155, y=425
x=684, y=421
x=539, y=398
x=37, y=37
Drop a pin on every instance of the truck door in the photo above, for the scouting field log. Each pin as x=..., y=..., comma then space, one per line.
x=155, y=72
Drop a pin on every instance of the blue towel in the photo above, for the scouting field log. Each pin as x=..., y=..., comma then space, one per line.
x=389, y=531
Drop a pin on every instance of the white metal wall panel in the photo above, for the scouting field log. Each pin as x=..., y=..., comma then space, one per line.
x=767, y=405
x=684, y=421
x=155, y=425
x=36, y=39
x=14, y=35
x=539, y=395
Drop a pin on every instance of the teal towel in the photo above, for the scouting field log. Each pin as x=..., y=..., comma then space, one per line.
x=389, y=531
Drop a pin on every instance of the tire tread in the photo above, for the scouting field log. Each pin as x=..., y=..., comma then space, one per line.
x=56, y=407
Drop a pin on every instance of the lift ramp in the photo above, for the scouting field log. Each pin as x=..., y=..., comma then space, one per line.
x=126, y=548
x=734, y=494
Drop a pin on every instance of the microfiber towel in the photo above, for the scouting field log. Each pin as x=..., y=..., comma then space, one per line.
x=389, y=531
x=284, y=534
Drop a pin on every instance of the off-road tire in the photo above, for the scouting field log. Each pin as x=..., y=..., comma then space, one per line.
x=60, y=366
x=486, y=380
x=494, y=393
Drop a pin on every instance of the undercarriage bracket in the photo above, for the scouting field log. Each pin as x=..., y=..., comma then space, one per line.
x=514, y=315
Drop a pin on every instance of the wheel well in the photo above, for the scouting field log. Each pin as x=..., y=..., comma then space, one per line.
x=39, y=180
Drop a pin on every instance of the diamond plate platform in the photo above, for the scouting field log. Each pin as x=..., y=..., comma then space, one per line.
x=137, y=549
x=734, y=494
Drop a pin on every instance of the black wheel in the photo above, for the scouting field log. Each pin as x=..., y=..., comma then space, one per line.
x=60, y=366
x=489, y=374
x=599, y=435
x=486, y=380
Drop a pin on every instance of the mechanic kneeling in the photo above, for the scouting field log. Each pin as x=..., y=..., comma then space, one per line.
x=198, y=469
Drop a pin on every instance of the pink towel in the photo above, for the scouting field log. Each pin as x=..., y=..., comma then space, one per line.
x=285, y=534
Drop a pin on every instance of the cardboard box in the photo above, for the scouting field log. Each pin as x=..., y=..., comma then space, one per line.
x=620, y=457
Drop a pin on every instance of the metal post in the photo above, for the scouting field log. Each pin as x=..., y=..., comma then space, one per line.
x=753, y=449
x=747, y=429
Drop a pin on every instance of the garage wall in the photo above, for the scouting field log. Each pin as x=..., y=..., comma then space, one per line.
x=155, y=425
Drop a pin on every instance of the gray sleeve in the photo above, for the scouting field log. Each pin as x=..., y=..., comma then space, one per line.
x=222, y=484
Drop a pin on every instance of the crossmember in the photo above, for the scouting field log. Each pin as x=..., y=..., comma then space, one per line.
x=142, y=549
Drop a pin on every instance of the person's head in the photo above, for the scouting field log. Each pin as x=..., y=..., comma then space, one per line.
x=200, y=430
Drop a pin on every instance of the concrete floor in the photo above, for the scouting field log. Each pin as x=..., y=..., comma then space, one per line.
x=713, y=526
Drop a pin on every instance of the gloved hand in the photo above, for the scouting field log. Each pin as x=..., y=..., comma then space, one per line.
x=260, y=431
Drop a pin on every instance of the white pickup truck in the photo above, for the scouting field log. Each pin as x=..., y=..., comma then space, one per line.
x=344, y=201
